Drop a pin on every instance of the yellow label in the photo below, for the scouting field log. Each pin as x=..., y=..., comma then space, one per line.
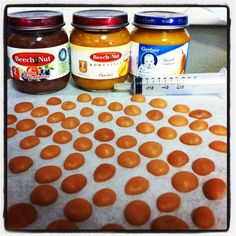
x=100, y=63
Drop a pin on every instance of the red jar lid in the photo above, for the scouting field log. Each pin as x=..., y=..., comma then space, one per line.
x=99, y=19
x=35, y=20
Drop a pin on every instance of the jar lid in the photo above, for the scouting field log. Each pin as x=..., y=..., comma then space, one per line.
x=35, y=20
x=160, y=20
x=99, y=19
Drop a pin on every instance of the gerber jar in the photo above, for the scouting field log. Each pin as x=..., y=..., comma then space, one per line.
x=100, y=49
x=159, y=43
x=38, y=51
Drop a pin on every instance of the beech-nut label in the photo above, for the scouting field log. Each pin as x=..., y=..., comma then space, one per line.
x=152, y=60
x=39, y=64
x=100, y=63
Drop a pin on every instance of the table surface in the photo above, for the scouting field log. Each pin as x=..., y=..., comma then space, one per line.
x=208, y=49
x=21, y=185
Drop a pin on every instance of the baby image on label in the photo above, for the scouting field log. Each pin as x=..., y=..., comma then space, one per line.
x=149, y=64
x=153, y=60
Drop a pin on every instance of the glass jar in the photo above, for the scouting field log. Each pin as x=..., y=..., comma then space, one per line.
x=159, y=43
x=38, y=51
x=100, y=49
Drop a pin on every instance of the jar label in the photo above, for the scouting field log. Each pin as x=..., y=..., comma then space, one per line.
x=153, y=60
x=100, y=63
x=39, y=64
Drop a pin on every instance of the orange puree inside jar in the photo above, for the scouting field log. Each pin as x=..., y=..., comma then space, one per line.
x=160, y=37
x=100, y=49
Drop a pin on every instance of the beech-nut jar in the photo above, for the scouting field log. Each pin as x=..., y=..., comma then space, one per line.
x=159, y=43
x=100, y=48
x=38, y=51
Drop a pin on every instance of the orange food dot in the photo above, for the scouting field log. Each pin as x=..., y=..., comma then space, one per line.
x=11, y=119
x=56, y=117
x=43, y=131
x=145, y=128
x=104, y=197
x=150, y=149
x=184, y=181
x=53, y=101
x=23, y=107
x=218, y=146
x=203, y=166
x=105, y=150
x=83, y=144
x=198, y=125
x=78, y=209
x=86, y=128
x=218, y=130
x=99, y=101
x=115, y=106
x=181, y=108
x=137, y=212
x=178, y=120
x=11, y=132
x=86, y=111
x=70, y=122
x=39, y=112
x=132, y=110
x=62, y=137
x=154, y=115
x=25, y=125
x=62, y=225
x=104, y=135
x=20, y=215
x=73, y=183
x=203, y=217
x=200, y=114
x=128, y=159
x=177, y=158
x=158, y=167
x=105, y=117
x=138, y=98
x=126, y=141
x=158, y=103
x=125, y=121
x=169, y=222
x=214, y=189
x=167, y=133
x=50, y=152
x=44, y=195
x=136, y=185
x=47, y=174
x=29, y=142
x=74, y=161
x=168, y=202
x=68, y=105
x=191, y=139
x=20, y=164
x=104, y=172
x=84, y=97
x=112, y=227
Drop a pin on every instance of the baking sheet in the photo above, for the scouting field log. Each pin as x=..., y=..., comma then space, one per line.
x=21, y=185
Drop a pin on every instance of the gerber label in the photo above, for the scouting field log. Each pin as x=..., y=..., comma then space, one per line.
x=152, y=60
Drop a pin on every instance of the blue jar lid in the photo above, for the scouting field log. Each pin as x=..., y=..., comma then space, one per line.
x=160, y=20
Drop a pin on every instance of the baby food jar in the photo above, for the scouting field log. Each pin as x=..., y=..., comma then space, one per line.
x=159, y=43
x=100, y=49
x=38, y=51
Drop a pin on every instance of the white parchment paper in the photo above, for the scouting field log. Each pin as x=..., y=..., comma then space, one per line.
x=20, y=185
